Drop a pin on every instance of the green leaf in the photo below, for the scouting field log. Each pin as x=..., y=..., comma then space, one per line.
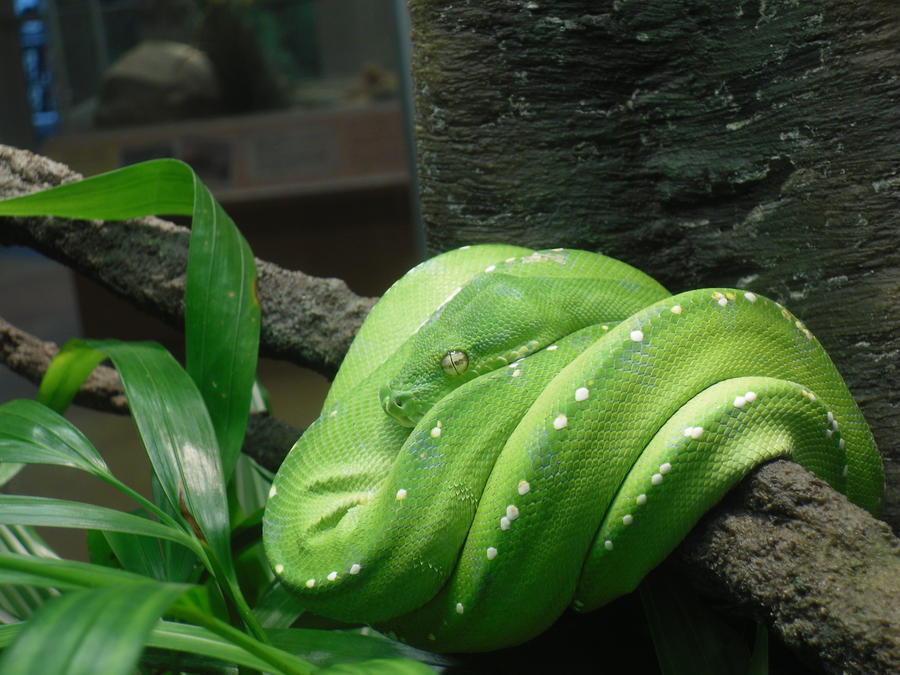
x=160, y=186
x=99, y=630
x=9, y=471
x=18, y=602
x=687, y=635
x=278, y=607
x=379, y=667
x=183, y=637
x=140, y=555
x=32, y=433
x=252, y=484
x=221, y=326
x=176, y=431
x=57, y=573
x=23, y=510
x=8, y=634
x=221, y=308
x=180, y=563
x=331, y=647
x=759, y=658
x=71, y=366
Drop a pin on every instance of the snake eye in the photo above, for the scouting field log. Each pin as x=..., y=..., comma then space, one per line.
x=455, y=362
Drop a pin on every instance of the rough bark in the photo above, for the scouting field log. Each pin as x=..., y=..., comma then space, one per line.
x=747, y=144
x=744, y=144
x=308, y=320
x=820, y=571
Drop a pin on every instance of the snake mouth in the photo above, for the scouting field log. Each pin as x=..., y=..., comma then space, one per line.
x=400, y=405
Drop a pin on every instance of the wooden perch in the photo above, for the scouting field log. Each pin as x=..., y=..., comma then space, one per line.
x=308, y=320
x=822, y=573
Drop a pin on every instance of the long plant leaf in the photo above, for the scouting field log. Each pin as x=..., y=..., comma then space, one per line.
x=687, y=636
x=71, y=368
x=221, y=322
x=221, y=308
x=331, y=647
x=182, y=637
x=32, y=433
x=46, y=511
x=20, y=601
x=63, y=574
x=378, y=667
x=176, y=431
x=100, y=630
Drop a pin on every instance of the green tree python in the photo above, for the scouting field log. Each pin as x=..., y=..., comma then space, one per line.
x=514, y=432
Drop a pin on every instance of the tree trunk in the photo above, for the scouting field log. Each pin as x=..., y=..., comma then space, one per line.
x=747, y=144
x=744, y=144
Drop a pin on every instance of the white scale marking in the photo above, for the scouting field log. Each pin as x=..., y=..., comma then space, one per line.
x=656, y=479
x=581, y=394
x=627, y=519
x=637, y=335
x=272, y=492
x=459, y=608
x=355, y=568
x=310, y=583
x=693, y=432
x=491, y=553
x=332, y=576
x=279, y=569
x=512, y=512
x=665, y=468
x=401, y=494
x=641, y=499
x=523, y=487
x=750, y=296
x=560, y=422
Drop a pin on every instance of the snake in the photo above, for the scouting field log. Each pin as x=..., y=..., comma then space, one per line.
x=515, y=432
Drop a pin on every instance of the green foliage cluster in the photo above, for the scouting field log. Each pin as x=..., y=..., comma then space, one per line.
x=181, y=583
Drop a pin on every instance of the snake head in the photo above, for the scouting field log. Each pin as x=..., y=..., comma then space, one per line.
x=487, y=324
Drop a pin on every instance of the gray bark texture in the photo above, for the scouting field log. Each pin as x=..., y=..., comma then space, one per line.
x=744, y=144
x=751, y=144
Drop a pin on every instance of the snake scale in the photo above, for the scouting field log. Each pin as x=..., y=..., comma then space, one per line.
x=514, y=432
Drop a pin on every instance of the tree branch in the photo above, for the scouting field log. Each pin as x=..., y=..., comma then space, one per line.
x=821, y=572
x=307, y=320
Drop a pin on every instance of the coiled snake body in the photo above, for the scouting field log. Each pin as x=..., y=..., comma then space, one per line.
x=514, y=432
